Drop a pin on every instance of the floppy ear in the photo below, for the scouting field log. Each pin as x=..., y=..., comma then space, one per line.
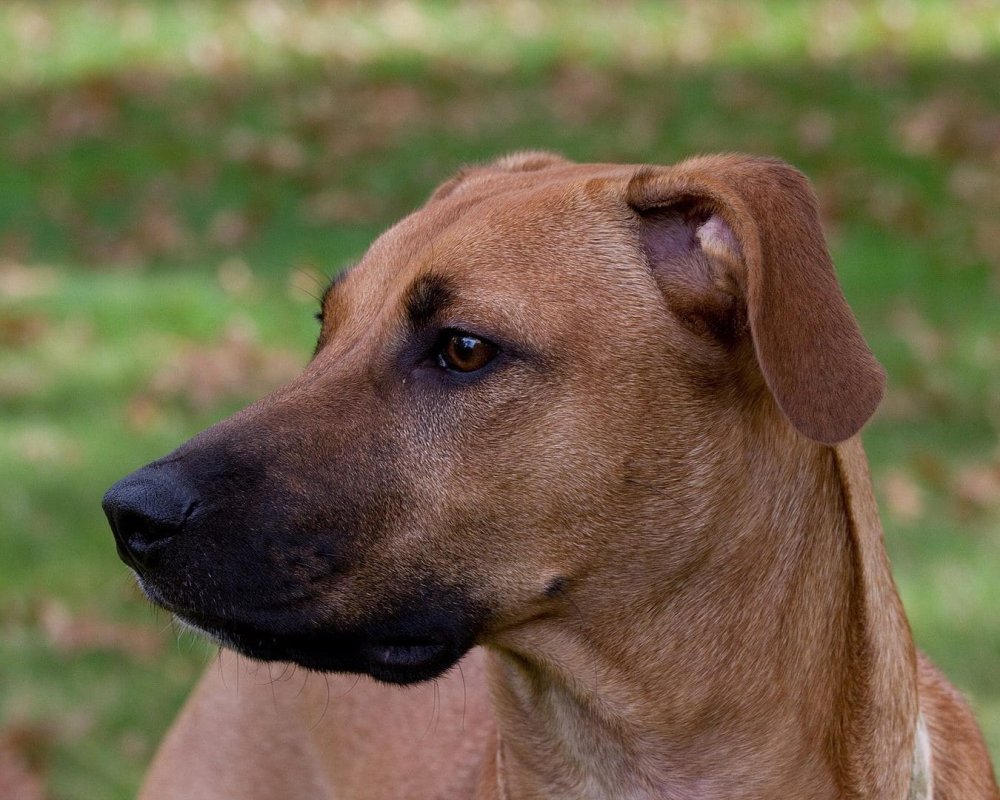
x=728, y=235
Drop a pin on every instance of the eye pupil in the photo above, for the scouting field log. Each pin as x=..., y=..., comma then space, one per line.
x=465, y=347
x=465, y=353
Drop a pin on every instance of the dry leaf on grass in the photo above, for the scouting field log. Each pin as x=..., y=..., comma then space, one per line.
x=337, y=206
x=22, y=756
x=925, y=341
x=229, y=228
x=281, y=154
x=22, y=330
x=977, y=488
x=70, y=634
x=20, y=282
x=46, y=444
x=236, y=368
x=903, y=497
x=89, y=109
x=578, y=95
x=951, y=126
x=235, y=277
x=816, y=130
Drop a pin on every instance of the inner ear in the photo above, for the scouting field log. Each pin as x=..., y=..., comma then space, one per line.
x=696, y=261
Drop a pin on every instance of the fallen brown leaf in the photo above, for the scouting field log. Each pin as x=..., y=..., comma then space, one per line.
x=237, y=367
x=815, y=130
x=46, y=444
x=159, y=230
x=579, y=95
x=87, y=110
x=21, y=281
x=977, y=488
x=896, y=207
x=21, y=330
x=950, y=125
x=337, y=205
x=235, y=277
x=70, y=634
x=280, y=154
x=974, y=184
x=229, y=228
x=22, y=755
x=142, y=413
x=925, y=341
x=904, y=498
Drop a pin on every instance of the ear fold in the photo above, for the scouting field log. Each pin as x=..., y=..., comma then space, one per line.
x=749, y=229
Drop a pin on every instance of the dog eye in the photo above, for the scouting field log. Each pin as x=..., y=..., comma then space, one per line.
x=463, y=352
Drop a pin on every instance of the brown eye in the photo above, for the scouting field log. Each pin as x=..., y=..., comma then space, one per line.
x=462, y=352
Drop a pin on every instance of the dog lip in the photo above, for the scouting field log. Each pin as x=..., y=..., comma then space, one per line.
x=409, y=661
x=395, y=654
x=390, y=659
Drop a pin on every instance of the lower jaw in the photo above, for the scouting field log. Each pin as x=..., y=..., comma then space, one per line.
x=409, y=663
x=388, y=661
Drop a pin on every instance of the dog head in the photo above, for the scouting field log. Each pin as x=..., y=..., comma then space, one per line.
x=512, y=382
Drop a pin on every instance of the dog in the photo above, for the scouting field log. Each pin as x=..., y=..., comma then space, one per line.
x=589, y=433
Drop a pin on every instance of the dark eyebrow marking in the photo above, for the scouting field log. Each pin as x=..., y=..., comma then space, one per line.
x=426, y=297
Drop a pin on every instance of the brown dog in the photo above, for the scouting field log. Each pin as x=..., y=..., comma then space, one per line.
x=601, y=420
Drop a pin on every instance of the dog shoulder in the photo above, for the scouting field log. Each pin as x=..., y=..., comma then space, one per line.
x=960, y=762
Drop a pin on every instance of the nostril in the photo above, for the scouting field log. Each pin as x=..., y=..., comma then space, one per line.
x=146, y=511
x=139, y=537
x=141, y=532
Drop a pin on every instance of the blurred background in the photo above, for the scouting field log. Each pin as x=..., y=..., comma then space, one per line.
x=178, y=180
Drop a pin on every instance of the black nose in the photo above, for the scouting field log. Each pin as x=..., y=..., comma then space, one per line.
x=146, y=510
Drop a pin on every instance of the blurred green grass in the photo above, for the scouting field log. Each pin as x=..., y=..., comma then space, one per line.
x=177, y=179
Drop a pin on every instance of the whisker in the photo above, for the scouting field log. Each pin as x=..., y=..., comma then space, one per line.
x=465, y=696
x=274, y=696
x=326, y=704
x=302, y=688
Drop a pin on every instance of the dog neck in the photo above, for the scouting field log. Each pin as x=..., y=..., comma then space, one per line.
x=778, y=665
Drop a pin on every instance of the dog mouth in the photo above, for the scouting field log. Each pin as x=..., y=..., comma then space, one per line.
x=388, y=659
x=391, y=650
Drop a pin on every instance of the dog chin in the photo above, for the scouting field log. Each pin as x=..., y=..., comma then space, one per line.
x=398, y=661
x=216, y=636
x=407, y=646
x=386, y=658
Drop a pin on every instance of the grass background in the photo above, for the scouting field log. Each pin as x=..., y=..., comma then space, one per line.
x=177, y=179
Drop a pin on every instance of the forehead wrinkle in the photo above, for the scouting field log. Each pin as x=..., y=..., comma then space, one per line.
x=426, y=297
x=435, y=255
